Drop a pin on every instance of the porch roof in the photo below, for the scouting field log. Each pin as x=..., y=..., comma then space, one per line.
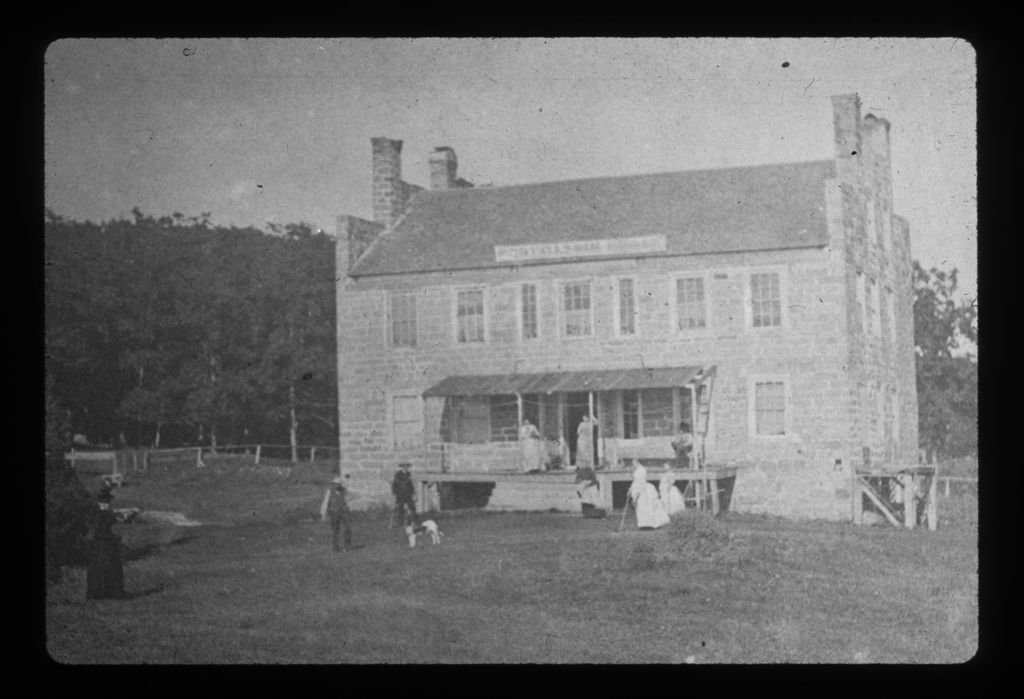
x=570, y=381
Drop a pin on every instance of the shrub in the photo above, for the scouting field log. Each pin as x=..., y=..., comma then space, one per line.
x=68, y=512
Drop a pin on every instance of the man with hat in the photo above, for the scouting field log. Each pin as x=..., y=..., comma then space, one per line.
x=335, y=506
x=404, y=493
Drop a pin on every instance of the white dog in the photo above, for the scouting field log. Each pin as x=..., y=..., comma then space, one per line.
x=427, y=526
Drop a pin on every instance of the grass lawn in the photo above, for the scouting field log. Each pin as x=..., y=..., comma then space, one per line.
x=260, y=583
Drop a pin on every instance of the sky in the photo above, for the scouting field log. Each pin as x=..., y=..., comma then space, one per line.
x=253, y=131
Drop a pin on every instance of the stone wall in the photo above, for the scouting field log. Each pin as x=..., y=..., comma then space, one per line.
x=875, y=245
x=809, y=352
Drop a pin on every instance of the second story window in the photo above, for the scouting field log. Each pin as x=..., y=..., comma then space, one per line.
x=529, y=311
x=870, y=225
x=576, y=304
x=403, y=320
x=765, y=300
x=872, y=324
x=627, y=307
x=690, y=308
x=469, y=315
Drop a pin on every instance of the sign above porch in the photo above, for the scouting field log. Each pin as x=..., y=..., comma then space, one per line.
x=602, y=247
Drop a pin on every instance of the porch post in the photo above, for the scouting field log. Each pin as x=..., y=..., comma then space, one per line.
x=909, y=501
x=519, y=411
x=693, y=424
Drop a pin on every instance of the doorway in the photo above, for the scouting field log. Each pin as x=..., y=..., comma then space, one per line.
x=576, y=406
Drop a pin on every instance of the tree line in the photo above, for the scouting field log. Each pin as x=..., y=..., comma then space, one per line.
x=170, y=331
x=946, y=341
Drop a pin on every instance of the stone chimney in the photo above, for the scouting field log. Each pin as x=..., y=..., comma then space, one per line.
x=874, y=139
x=443, y=168
x=388, y=188
x=846, y=119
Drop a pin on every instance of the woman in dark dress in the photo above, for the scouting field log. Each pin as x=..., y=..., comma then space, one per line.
x=105, y=578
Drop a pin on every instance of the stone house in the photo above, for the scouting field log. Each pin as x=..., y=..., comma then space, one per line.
x=781, y=292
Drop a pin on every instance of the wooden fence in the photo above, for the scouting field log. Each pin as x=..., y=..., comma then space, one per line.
x=119, y=461
x=944, y=481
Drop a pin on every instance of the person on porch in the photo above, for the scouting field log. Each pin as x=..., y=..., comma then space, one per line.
x=531, y=448
x=650, y=513
x=683, y=445
x=589, y=492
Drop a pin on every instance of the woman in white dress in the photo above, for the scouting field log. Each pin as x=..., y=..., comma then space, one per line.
x=671, y=497
x=650, y=513
x=585, y=442
x=531, y=447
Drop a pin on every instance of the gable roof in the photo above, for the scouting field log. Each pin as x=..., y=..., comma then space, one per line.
x=703, y=211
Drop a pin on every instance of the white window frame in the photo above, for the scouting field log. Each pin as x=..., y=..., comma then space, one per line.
x=787, y=417
x=861, y=296
x=389, y=328
x=870, y=220
x=890, y=298
x=673, y=296
x=562, y=283
x=404, y=394
x=617, y=306
x=456, y=290
x=520, y=327
x=748, y=302
x=874, y=308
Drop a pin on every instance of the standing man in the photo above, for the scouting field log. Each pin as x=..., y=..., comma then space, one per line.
x=335, y=506
x=404, y=493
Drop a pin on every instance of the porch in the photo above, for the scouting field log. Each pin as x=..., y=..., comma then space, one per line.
x=709, y=489
x=633, y=414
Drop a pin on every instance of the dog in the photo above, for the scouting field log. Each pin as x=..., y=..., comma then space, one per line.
x=427, y=526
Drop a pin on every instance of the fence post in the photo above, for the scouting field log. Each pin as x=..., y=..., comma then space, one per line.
x=933, y=506
x=258, y=454
x=312, y=454
x=947, y=486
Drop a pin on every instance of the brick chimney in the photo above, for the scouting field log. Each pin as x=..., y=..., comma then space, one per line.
x=388, y=188
x=443, y=168
x=846, y=119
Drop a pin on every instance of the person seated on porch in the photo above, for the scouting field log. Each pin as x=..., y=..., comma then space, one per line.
x=683, y=445
x=531, y=448
x=650, y=513
x=671, y=496
x=589, y=492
